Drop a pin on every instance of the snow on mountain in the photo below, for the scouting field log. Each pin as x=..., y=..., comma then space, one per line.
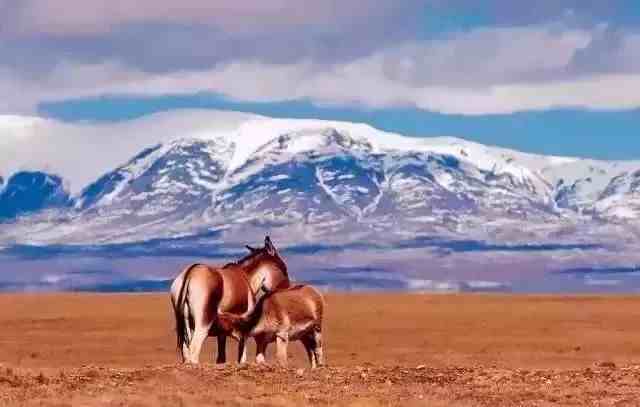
x=163, y=176
x=621, y=198
x=180, y=173
x=83, y=152
x=313, y=176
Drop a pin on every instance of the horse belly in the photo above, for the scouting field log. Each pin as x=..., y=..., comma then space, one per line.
x=300, y=329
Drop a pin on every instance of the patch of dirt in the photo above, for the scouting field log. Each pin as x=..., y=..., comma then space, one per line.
x=442, y=350
x=352, y=386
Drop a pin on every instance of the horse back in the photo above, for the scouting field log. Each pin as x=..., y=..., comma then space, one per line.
x=297, y=303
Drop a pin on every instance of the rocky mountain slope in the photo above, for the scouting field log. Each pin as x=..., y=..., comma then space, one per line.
x=192, y=173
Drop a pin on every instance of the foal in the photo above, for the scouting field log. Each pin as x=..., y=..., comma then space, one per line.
x=284, y=315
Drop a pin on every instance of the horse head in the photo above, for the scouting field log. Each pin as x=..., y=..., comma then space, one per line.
x=265, y=268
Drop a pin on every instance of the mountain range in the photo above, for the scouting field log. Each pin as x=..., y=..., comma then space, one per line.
x=123, y=206
x=305, y=180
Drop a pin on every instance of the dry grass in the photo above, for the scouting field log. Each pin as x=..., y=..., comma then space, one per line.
x=461, y=350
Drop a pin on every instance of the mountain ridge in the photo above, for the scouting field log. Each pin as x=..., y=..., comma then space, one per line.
x=232, y=171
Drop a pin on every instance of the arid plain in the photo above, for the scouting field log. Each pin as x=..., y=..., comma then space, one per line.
x=382, y=349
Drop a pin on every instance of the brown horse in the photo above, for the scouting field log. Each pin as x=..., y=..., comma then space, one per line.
x=200, y=293
x=282, y=316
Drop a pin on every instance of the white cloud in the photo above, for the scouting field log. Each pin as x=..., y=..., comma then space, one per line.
x=81, y=153
x=486, y=56
x=481, y=72
x=82, y=17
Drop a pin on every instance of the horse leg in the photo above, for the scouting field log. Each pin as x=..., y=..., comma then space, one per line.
x=242, y=350
x=317, y=336
x=200, y=334
x=222, y=349
x=309, y=346
x=282, y=342
x=261, y=349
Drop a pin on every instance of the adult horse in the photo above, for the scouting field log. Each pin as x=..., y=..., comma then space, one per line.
x=201, y=292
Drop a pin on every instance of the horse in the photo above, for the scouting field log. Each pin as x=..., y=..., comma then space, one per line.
x=201, y=292
x=283, y=315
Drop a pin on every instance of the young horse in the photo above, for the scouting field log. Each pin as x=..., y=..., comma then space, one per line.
x=200, y=293
x=282, y=316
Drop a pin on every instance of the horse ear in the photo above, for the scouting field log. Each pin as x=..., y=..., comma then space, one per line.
x=268, y=245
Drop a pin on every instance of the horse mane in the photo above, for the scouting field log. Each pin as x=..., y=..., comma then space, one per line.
x=238, y=262
x=257, y=253
x=281, y=264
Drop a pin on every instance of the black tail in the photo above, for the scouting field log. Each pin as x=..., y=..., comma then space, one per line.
x=182, y=336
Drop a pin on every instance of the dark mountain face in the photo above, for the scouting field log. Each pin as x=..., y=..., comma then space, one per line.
x=165, y=180
x=27, y=192
x=109, y=182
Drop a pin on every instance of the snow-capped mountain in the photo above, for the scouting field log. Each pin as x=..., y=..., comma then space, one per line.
x=179, y=174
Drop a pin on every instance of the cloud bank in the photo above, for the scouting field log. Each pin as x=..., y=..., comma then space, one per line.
x=355, y=52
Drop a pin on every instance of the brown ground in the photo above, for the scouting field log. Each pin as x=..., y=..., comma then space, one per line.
x=440, y=350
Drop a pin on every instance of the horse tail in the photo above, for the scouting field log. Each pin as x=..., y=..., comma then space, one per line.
x=181, y=328
x=179, y=302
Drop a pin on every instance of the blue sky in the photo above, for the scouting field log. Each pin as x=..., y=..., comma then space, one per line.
x=552, y=76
